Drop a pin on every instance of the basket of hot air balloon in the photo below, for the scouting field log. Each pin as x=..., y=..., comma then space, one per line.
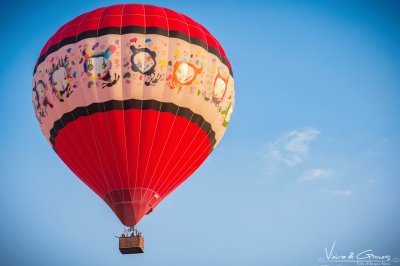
x=131, y=242
x=133, y=98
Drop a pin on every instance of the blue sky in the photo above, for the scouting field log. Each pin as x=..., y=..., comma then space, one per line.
x=310, y=157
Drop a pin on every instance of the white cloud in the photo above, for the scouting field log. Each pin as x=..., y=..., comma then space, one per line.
x=290, y=148
x=341, y=193
x=316, y=174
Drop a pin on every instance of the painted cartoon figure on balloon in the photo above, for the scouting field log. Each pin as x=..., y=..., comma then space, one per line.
x=219, y=89
x=97, y=66
x=144, y=61
x=60, y=79
x=183, y=74
x=227, y=113
x=40, y=100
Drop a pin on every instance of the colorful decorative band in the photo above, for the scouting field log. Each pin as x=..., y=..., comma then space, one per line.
x=132, y=104
x=133, y=29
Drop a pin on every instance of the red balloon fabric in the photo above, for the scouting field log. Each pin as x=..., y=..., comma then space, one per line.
x=133, y=98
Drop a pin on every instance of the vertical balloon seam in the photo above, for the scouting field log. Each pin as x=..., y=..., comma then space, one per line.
x=118, y=147
x=170, y=185
x=106, y=114
x=146, y=190
x=143, y=211
x=78, y=126
x=138, y=158
x=158, y=178
x=57, y=111
x=187, y=147
x=97, y=162
x=194, y=106
x=119, y=39
x=150, y=152
x=78, y=172
x=162, y=101
x=141, y=121
x=162, y=176
x=142, y=196
x=51, y=114
x=190, y=169
x=210, y=130
x=95, y=141
x=130, y=178
x=85, y=178
x=167, y=176
x=73, y=168
x=159, y=112
x=123, y=115
x=155, y=131
x=194, y=153
x=63, y=156
x=182, y=177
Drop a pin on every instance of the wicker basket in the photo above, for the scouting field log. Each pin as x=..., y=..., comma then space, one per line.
x=131, y=244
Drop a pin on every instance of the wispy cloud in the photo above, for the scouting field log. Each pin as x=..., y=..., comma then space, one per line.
x=341, y=193
x=290, y=148
x=316, y=174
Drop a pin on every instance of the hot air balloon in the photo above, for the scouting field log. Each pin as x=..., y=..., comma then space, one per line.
x=133, y=98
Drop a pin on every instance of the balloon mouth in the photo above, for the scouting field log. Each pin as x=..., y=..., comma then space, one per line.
x=130, y=205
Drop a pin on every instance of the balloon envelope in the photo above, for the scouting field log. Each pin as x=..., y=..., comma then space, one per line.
x=133, y=98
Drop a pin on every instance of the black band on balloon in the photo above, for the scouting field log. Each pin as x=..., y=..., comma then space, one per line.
x=132, y=104
x=134, y=29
